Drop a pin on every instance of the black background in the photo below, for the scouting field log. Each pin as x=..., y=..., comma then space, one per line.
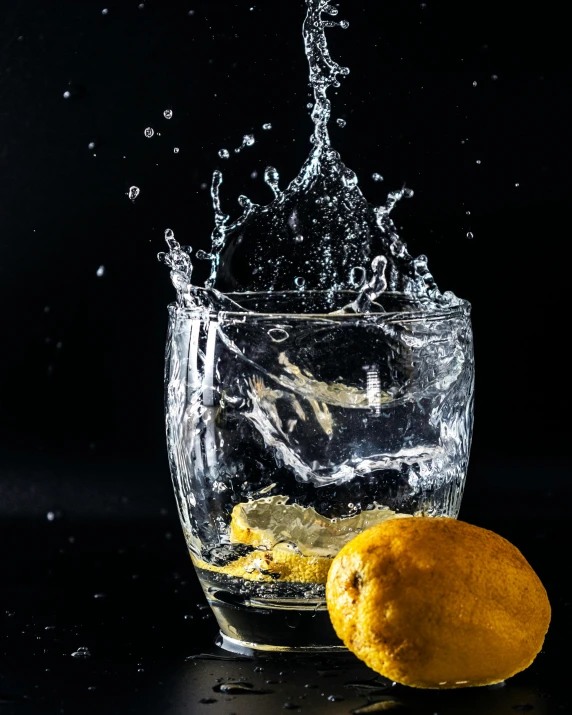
x=82, y=356
x=81, y=360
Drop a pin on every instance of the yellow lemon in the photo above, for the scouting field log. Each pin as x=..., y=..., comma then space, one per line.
x=437, y=603
x=274, y=565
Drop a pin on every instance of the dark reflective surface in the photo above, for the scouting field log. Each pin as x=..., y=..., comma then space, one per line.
x=123, y=588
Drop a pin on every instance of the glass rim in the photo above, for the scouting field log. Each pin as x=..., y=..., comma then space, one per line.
x=429, y=311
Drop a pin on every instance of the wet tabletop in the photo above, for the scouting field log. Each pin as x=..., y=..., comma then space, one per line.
x=102, y=611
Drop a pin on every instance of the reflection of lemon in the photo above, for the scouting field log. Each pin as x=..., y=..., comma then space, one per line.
x=437, y=603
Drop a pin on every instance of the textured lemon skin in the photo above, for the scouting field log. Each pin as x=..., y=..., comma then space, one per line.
x=274, y=565
x=437, y=603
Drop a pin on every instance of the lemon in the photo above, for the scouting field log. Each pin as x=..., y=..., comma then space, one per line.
x=437, y=603
x=271, y=520
x=274, y=565
x=296, y=543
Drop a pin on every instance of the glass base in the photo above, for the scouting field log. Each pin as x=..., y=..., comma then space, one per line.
x=279, y=625
x=248, y=649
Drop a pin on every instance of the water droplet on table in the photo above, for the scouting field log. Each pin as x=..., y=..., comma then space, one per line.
x=81, y=652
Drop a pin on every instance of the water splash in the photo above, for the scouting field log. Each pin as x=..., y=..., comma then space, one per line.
x=319, y=233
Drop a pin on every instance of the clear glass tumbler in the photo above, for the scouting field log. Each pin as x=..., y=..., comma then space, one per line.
x=291, y=429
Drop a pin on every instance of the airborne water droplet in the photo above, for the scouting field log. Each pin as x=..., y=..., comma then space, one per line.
x=341, y=122
x=176, y=150
x=267, y=127
x=248, y=140
x=300, y=282
x=168, y=113
x=100, y=272
x=377, y=177
x=224, y=154
x=134, y=192
x=67, y=94
x=470, y=234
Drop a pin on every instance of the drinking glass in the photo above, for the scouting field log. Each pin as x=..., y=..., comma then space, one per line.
x=291, y=428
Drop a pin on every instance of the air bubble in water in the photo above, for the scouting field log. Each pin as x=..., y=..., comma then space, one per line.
x=267, y=127
x=358, y=276
x=341, y=122
x=377, y=177
x=248, y=140
x=168, y=113
x=134, y=192
x=277, y=335
x=300, y=282
x=224, y=154
x=149, y=132
x=100, y=272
